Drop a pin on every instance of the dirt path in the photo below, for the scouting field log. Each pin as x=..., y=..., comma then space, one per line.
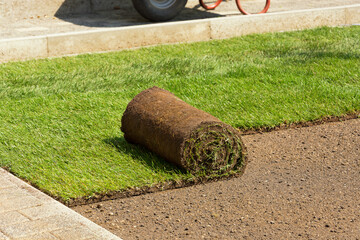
x=300, y=183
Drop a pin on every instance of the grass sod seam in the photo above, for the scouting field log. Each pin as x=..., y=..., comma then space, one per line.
x=57, y=115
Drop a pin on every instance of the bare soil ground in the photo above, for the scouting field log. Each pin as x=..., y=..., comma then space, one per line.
x=300, y=183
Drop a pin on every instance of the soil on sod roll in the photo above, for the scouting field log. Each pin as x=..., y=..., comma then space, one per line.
x=182, y=134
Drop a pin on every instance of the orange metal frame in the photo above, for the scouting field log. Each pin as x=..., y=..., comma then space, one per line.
x=238, y=4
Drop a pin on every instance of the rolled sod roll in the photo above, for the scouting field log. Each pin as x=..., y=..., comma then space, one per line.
x=182, y=134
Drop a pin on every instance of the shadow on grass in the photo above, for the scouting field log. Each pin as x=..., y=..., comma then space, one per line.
x=143, y=156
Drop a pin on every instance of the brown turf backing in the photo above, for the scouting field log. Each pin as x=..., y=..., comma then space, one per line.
x=182, y=134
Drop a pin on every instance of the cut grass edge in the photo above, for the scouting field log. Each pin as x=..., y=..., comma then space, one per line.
x=182, y=183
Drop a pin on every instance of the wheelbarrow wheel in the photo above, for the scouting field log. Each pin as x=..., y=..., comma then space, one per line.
x=209, y=6
x=159, y=10
x=242, y=10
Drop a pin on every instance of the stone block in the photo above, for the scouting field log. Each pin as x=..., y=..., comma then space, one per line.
x=27, y=213
x=23, y=48
x=14, y=192
x=353, y=14
x=20, y=189
x=128, y=37
x=4, y=183
x=38, y=236
x=14, y=204
x=40, y=226
x=275, y=22
x=44, y=211
x=74, y=233
x=12, y=217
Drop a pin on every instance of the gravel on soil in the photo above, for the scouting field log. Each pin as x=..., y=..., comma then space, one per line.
x=300, y=183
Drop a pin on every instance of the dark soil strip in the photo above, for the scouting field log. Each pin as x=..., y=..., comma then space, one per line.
x=327, y=119
x=300, y=183
x=145, y=190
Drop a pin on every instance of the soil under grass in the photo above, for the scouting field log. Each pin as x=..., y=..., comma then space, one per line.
x=60, y=118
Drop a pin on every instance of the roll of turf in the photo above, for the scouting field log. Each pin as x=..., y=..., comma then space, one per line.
x=182, y=134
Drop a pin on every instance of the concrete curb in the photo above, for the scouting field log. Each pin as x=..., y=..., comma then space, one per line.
x=284, y=21
x=27, y=213
x=112, y=39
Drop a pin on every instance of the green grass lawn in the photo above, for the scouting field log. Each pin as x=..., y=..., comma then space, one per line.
x=60, y=118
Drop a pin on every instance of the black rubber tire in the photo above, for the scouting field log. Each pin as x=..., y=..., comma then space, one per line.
x=159, y=10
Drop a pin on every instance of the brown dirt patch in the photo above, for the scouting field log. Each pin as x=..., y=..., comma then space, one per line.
x=300, y=183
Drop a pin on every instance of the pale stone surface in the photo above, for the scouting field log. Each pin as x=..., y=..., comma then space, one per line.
x=43, y=211
x=13, y=192
x=274, y=22
x=72, y=233
x=19, y=9
x=12, y=217
x=24, y=48
x=353, y=15
x=38, y=236
x=11, y=204
x=130, y=37
x=3, y=237
x=27, y=213
x=4, y=183
x=38, y=226
x=23, y=189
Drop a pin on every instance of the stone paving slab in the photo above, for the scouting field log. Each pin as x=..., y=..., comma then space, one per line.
x=27, y=213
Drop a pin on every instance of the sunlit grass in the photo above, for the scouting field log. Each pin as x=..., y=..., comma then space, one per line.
x=60, y=118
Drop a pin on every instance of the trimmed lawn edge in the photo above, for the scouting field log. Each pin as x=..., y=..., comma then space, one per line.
x=301, y=124
x=170, y=185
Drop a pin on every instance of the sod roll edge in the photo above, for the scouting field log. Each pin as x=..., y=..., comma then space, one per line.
x=182, y=134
